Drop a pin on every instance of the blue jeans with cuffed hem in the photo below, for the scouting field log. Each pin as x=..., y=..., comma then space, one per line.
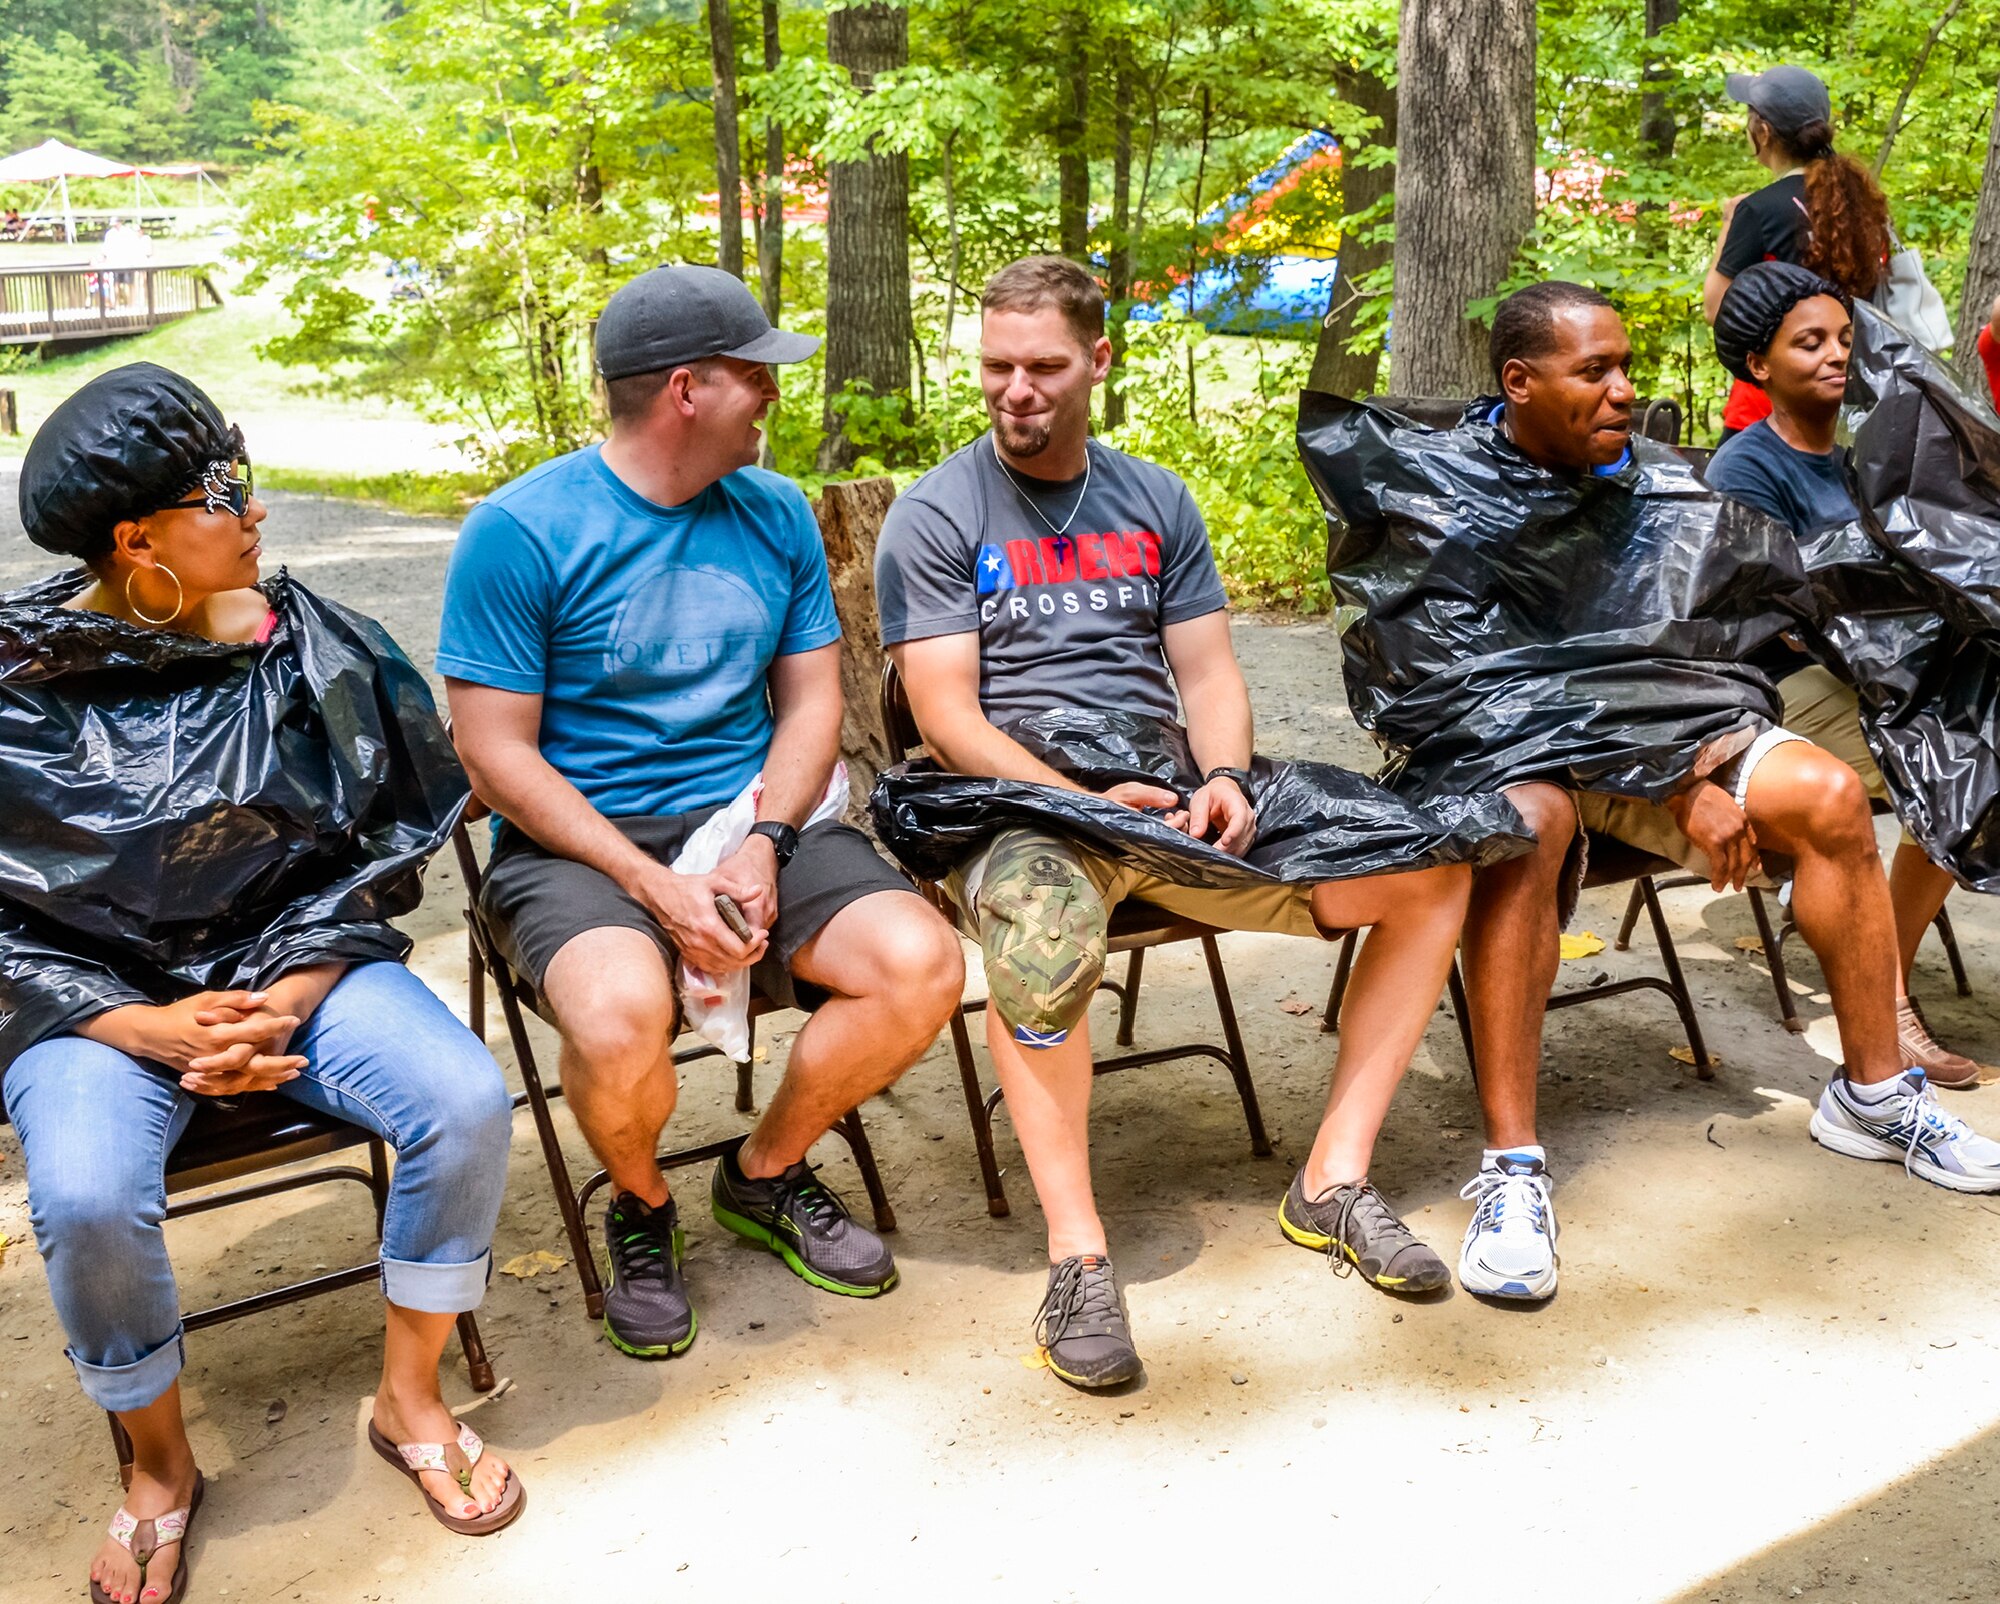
x=96, y=1126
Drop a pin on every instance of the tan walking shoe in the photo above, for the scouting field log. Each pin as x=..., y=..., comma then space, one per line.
x=1921, y=1049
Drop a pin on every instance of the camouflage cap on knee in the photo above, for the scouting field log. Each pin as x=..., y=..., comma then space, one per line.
x=1042, y=929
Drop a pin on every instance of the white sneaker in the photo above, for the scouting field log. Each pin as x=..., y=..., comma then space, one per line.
x=1908, y=1127
x=1510, y=1246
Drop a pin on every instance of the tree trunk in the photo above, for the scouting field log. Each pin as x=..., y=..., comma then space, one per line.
x=1336, y=370
x=1072, y=148
x=1121, y=236
x=1657, y=128
x=728, y=141
x=868, y=329
x=771, y=245
x=1465, y=181
x=850, y=522
x=1982, y=266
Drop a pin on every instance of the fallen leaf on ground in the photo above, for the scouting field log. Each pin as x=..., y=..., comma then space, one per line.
x=1585, y=944
x=1038, y=1360
x=1749, y=943
x=1295, y=1006
x=1685, y=1055
x=532, y=1264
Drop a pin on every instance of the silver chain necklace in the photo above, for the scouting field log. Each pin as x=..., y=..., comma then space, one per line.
x=1008, y=474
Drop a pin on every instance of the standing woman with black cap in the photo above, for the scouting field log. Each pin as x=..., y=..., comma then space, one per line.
x=217, y=793
x=1822, y=210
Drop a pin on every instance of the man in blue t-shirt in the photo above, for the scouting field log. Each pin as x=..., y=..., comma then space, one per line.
x=633, y=634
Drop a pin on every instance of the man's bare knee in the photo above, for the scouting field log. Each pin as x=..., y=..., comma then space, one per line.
x=916, y=961
x=613, y=1001
x=1823, y=806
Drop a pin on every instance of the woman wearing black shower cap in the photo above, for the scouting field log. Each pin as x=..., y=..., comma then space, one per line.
x=220, y=788
x=1788, y=331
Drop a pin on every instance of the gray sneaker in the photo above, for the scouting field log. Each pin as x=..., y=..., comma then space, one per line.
x=1353, y=1225
x=1081, y=1325
x=803, y=1221
x=646, y=1309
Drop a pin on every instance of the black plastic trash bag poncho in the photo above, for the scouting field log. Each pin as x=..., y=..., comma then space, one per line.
x=1505, y=623
x=1908, y=596
x=182, y=816
x=1315, y=822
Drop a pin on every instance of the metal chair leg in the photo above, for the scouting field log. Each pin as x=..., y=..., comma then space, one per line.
x=378, y=1180
x=856, y=1136
x=1461, y=1010
x=982, y=1121
x=475, y=984
x=552, y=1156
x=1632, y=906
x=746, y=1099
x=1950, y=939
x=1774, y=955
x=1343, y=966
x=121, y=1443
x=1239, y=1062
x=1128, y=1005
x=1676, y=981
x=476, y=1361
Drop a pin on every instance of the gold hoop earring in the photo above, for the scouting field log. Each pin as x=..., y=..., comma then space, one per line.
x=138, y=612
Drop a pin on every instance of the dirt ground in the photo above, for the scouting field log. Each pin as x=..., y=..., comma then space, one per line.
x=1769, y=1374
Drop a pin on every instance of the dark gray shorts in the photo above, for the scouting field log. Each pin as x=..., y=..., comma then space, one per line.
x=537, y=902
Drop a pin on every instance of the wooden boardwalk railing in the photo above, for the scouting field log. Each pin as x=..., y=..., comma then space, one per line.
x=40, y=304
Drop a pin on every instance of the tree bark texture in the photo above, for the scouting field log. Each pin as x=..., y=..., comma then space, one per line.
x=1121, y=236
x=1465, y=181
x=1982, y=266
x=869, y=332
x=1072, y=147
x=771, y=243
x=850, y=522
x=1335, y=370
x=728, y=141
x=1657, y=128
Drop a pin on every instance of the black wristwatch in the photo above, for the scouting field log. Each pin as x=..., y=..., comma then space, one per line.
x=1240, y=776
x=783, y=838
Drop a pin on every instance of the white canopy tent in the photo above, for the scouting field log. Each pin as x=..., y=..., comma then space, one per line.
x=53, y=164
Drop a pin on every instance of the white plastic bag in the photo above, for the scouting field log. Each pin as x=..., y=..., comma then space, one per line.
x=719, y=1008
x=1911, y=301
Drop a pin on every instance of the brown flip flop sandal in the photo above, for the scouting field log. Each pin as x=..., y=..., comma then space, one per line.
x=456, y=1460
x=142, y=1539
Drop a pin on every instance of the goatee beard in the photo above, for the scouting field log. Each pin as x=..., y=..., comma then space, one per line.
x=1022, y=440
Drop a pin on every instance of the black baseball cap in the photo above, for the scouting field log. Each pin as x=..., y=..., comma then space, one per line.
x=1787, y=98
x=671, y=316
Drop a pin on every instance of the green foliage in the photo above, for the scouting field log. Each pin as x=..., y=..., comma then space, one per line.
x=509, y=167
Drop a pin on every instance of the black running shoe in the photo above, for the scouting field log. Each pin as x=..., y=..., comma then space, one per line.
x=1081, y=1325
x=646, y=1308
x=1353, y=1225
x=803, y=1221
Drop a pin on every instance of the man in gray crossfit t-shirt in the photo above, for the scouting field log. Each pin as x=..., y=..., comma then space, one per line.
x=1041, y=570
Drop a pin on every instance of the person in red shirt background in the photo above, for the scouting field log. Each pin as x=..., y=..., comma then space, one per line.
x=1989, y=352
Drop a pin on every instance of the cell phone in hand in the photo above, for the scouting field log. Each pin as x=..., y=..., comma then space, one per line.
x=732, y=916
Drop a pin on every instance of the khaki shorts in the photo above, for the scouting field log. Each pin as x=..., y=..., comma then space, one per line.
x=1039, y=905
x=1818, y=708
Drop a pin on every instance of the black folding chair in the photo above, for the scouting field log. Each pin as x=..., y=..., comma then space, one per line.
x=263, y=1132
x=518, y=1000
x=1136, y=927
x=1609, y=862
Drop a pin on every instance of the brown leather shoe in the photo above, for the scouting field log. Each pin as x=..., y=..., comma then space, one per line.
x=1919, y=1047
